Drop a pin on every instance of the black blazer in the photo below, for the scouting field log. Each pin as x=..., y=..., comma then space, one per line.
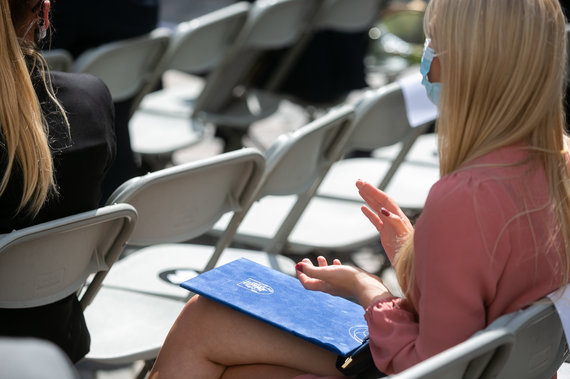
x=81, y=156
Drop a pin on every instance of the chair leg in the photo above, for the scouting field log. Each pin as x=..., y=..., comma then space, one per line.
x=145, y=369
x=232, y=137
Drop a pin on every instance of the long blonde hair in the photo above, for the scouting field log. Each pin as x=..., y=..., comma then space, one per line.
x=25, y=135
x=502, y=77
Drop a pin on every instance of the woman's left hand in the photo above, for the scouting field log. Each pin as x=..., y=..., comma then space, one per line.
x=341, y=280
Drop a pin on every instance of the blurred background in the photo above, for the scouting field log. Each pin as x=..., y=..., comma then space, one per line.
x=396, y=41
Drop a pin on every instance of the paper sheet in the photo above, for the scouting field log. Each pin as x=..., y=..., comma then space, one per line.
x=419, y=108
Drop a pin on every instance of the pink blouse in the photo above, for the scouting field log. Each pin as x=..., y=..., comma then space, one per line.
x=485, y=245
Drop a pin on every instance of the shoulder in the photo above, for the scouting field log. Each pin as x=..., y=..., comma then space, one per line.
x=463, y=190
x=469, y=206
x=72, y=85
x=488, y=180
x=479, y=202
x=85, y=98
x=88, y=106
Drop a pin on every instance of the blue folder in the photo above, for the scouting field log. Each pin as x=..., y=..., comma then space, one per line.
x=331, y=322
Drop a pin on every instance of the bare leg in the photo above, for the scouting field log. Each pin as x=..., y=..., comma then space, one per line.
x=208, y=337
x=260, y=371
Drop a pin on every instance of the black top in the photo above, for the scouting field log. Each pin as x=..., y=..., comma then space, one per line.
x=80, y=160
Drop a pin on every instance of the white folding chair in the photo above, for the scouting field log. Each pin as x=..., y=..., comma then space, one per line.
x=280, y=208
x=404, y=162
x=141, y=298
x=58, y=59
x=525, y=344
x=47, y=262
x=126, y=66
x=165, y=123
x=226, y=100
x=332, y=220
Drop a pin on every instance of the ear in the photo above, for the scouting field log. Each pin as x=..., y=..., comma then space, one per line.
x=45, y=13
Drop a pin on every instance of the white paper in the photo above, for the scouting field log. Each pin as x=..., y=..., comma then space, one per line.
x=419, y=108
x=562, y=305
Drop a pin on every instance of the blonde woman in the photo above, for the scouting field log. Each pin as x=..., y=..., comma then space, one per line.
x=494, y=233
x=56, y=143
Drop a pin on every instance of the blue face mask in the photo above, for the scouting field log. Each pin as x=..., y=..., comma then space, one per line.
x=433, y=90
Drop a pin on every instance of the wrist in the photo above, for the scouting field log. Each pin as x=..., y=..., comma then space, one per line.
x=370, y=290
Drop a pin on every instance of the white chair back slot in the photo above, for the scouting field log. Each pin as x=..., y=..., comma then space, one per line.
x=47, y=262
x=298, y=159
x=182, y=202
x=271, y=25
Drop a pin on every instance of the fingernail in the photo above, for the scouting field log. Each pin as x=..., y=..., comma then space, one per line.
x=385, y=212
x=299, y=267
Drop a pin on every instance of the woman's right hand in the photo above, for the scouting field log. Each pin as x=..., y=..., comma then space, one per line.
x=341, y=280
x=386, y=216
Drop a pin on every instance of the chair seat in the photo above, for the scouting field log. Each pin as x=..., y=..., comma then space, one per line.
x=330, y=224
x=176, y=101
x=409, y=187
x=424, y=150
x=244, y=111
x=179, y=101
x=112, y=345
x=153, y=133
x=159, y=269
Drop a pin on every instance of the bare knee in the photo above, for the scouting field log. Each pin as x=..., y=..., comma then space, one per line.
x=195, y=320
x=186, y=346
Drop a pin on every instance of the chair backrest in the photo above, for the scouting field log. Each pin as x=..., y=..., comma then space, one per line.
x=126, y=66
x=180, y=203
x=296, y=160
x=380, y=121
x=526, y=344
x=469, y=359
x=200, y=44
x=540, y=345
x=45, y=263
x=270, y=25
x=58, y=59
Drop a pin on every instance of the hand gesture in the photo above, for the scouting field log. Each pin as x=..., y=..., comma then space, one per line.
x=341, y=280
x=386, y=216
